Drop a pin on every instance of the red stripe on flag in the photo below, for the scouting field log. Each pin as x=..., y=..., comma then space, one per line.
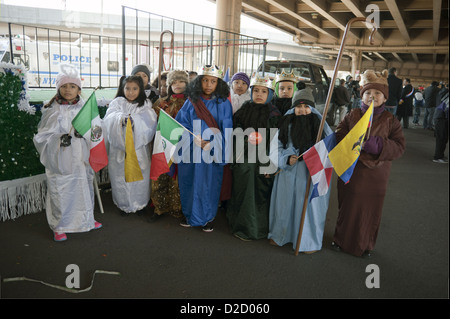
x=313, y=161
x=158, y=166
x=98, y=157
x=328, y=174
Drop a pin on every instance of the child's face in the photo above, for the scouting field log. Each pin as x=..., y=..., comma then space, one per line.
x=378, y=97
x=209, y=84
x=260, y=94
x=69, y=91
x=178, y=87
x=302, y=109
x=144, y=77
x=239, y=87
x=131, y=91
x=285, y=89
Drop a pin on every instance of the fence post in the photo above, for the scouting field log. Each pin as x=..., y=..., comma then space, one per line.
x=124, y=68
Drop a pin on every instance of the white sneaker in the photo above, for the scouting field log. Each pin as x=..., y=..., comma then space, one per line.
x=441, y=161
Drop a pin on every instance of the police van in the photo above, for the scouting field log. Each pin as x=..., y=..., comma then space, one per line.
x=97, y=65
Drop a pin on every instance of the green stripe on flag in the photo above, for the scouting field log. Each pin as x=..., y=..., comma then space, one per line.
x=89, y=111
x=169, y=128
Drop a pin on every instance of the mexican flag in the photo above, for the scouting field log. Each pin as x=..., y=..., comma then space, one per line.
x=167, y=135
x=88, y=123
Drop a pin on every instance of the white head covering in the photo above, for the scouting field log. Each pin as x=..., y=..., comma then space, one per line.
x=68, y=74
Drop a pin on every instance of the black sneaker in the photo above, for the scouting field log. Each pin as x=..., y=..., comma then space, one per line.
x=208, y=228
x=184, y=223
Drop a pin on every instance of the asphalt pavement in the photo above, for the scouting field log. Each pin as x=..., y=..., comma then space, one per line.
x=164, y=261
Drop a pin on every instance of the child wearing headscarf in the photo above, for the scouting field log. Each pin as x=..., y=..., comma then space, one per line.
x=285, y=88
x=248, y=208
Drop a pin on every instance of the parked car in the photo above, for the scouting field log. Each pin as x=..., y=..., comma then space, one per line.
x=312, y=74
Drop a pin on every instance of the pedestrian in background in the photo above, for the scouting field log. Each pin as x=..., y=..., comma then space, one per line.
x=405, y=105
x=395, y=91
x=418, y=104
x=430, y=96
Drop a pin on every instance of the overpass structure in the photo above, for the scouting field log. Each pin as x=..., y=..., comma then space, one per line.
x=413, y=35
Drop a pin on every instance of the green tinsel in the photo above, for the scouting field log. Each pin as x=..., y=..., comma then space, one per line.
x=18, y=156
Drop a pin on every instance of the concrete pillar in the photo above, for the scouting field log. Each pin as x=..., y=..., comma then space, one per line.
x=228, y=18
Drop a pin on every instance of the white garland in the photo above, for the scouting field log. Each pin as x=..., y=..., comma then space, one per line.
x=24, y=98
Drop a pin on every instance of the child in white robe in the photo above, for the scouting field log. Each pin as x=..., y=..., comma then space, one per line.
x=130, y=101
x=65, y=155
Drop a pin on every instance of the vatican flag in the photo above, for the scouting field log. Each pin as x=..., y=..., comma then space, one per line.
x=133, y=172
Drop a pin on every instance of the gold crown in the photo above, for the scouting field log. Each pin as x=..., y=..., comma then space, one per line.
x=211, y=70
x=286, y=77
x=262, y=81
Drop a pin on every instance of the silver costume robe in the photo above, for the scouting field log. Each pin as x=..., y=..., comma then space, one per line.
x=70, y=192
x=134, y=196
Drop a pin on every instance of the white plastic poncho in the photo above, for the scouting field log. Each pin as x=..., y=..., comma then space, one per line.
x=70, y=192
x=134, y=196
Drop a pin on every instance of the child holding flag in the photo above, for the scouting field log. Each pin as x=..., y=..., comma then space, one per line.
x=298, y=132
x=165, y=193
x=361, y=199
x=130, y=124
x=208, y=114
x=65, y=155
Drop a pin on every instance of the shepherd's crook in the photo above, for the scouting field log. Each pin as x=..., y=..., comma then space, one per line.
x=324, y=116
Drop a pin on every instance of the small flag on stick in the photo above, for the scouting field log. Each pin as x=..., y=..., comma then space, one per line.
x=88, y=123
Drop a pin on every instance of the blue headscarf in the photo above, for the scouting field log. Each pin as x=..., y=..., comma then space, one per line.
x=269, y=96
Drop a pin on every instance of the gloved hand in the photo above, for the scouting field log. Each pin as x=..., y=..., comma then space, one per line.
x=65, y=140
x=373, y=145
x=76, y=134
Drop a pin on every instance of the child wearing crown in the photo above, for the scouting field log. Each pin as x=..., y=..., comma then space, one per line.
x=208, y=114
x=284, y=90
x=248, y=208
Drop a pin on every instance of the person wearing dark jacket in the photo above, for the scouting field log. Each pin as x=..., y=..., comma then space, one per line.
x=405, y=106
x=441, y=127
x=395, y=91
x=342, y=98
x=430, y=96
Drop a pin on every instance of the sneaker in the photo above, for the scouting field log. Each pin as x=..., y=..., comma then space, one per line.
x=208, y=228
x=335, y=246
x=184, y=223
x=97, y=225
x=59, y=236
x=441, y=161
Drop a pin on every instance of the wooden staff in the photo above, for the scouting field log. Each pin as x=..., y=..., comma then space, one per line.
x=322, y=123
x=161, y=52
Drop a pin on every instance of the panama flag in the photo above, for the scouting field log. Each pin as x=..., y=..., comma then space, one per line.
x=167, y=135
x=319, y=166
x=88, y=123
x=345, y=155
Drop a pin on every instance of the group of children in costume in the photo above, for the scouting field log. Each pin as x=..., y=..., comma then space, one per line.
x=258, y=204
